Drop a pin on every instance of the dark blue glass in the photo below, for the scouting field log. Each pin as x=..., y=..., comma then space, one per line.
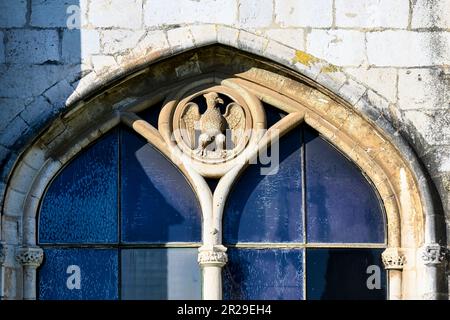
x=268, y=208
x=266, y=274
x=161, y=274
x=273, y=114
x=342, y=206
x=80, y=206
x=345, y=274
x=78, y=274
x=151, y=114
x=158, y=204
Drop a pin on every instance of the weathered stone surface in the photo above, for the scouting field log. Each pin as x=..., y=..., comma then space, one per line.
x=252, y=43
x=51, y=13
x=13, y=131
x=352, y=91
x=427, y=128
x=431, y=13
x=341, y=47
x=9, y=109
x=116, y=13
x=204, y=34
x=2, y=49
x=13, y=13
x=116, y=41
x=423, y=89
x=37, y=112
x=23, y=81
x=408, y=48
x=185, y=11
x=304, y=13
x=227, y=35
x=372, y=13
x=32, y=46
x=180, y=38
x=382, y=80
x=291, y=37
x=58, y=94
x=74, y=40
x=255, y=13
x=103, y=63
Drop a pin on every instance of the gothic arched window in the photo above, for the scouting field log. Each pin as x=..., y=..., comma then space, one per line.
x=119, y=222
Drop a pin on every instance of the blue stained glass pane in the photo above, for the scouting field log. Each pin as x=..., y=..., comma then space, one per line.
x=342, y=206
x=345, y=274
x=80, y=205
x=78, y=274
x=269, y=274
x=161, y=274
x=268, y=208
x=158, y=204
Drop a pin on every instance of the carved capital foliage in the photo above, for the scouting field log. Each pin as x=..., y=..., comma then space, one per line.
x=214, y=257
x=393, y=259
x=434, y=254
x=30, y=256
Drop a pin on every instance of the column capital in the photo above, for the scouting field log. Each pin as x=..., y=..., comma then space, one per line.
x=393, y=259
x=212, y=256
x=30, y=256
x=433, y=254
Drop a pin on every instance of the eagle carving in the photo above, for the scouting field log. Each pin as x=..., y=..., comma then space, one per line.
x=212, y=126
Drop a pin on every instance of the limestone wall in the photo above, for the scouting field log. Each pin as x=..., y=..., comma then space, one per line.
x=393, y=53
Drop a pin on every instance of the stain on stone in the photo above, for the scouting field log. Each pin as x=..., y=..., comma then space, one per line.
x=305, y=58
x=309, y=60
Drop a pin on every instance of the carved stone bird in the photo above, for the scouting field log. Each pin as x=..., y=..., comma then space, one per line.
x=212, y=124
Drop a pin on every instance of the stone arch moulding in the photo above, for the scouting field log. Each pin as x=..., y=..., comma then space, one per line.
x=413, y=256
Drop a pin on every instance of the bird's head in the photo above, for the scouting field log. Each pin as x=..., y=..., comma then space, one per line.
x=212, y=98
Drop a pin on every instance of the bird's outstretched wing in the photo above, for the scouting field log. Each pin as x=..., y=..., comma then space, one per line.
x=189, y=123
x=235, y=116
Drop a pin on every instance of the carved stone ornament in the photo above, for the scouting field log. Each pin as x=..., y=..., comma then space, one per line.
x=212, y=125
x=215, y=256
x=392, y=259
x=30, y=256
x=434, y=254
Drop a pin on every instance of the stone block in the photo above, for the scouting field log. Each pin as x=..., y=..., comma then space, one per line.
x=431, y=14
x=13, y=13
x=58, y=94
x=79, y=45
x=293, y=38
x=372, y=13
x=304, y=13
x=157, y=13
x=408, y=48
x=255, y=13
x=9, y=109
x=381, y=80
x=13, y=132
x=204, y=34
x=180, y=38
x=116, y=13
x=2, y=48
x=227, y=35
x=115, y=41
x=423, y=89
x=251, y=42
x=32, y=46
x=339, y=47
x=52, y=13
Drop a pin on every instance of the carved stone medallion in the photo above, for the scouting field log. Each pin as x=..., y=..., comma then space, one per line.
x=212, y=125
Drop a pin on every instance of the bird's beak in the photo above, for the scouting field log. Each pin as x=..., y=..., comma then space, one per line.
x=219, y=100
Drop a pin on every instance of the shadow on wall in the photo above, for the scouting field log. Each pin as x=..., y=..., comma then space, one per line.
x=39, y=70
